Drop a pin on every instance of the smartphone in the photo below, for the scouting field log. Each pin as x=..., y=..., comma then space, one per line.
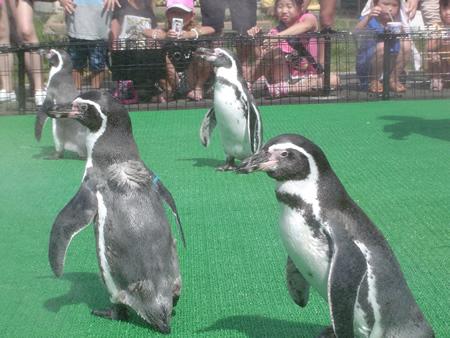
x=177, y=25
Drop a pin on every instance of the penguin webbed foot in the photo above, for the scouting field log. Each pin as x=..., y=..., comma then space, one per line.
x=115, y=312
x=225, y=168
x=327, y=332
x=230, y=165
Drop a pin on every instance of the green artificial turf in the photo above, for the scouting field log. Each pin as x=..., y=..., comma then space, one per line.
x=393, y=158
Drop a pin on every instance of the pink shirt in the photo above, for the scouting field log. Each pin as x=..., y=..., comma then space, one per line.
x=299, y=66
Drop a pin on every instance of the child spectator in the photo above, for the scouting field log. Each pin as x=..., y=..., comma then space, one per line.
x=438, y=50
x=198, y=70
x=369, y=64
x=87, y=24
x=130, y=19
x=286, y=70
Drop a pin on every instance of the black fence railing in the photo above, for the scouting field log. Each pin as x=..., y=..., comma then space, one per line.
x=149, y=75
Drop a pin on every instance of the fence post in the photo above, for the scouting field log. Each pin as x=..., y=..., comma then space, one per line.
x=327, y=60
x=387, y=41
x=21, y=80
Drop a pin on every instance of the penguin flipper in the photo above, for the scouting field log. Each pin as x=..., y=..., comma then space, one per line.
x=254, y=127
x=41, y=118
x=348, y=269
x=208, y=125
x=297, y=285
x=73, y=218
x=170, y=202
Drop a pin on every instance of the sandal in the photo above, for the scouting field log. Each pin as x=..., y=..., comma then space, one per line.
x=396, y=86
x=436, y=85
x=375, y=86
x=194, y=96
x=278, y=90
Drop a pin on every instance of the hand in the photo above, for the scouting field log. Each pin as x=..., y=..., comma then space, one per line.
x=411, y=8
x=110, y=4
x=171, y=34
x=68, y=6
x=374, y=12
x=255, y=31
x=268, y=44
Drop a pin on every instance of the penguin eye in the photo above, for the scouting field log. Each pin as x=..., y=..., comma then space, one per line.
x=83, y=107
x=284, y=154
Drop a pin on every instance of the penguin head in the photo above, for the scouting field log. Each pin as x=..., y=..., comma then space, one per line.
x=56, y=57
x=286, y=157
x=95, y=109
x=221, y=57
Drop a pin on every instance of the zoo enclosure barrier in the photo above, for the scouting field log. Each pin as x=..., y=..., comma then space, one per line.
x=144, y=62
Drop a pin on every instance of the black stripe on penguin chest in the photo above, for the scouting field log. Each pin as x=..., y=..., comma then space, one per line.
x=299, y=205
x=222, y=82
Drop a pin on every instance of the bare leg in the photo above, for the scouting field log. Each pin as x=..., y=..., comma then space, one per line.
x=6, y=60
x=398, y=65
x=196, y=76
x=77, y=76
x=376, y=63
x=326, y=19
x=97, y=79
x=25, y=24
x=272, y=64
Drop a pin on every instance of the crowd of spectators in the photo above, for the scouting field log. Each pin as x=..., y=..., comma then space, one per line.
x=295, y=60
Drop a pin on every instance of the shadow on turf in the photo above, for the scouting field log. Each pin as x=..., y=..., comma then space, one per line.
x=205, y=162
x=87, y=288
x=408, y=125
x=84, y=288
x=257, y=326
x=50, y=151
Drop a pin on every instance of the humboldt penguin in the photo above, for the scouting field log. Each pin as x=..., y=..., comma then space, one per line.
x=234, y=110
x=334, y=247
x=68, y=134
x=124, y=199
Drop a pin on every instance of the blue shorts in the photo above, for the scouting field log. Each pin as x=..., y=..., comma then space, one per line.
x=82, y=50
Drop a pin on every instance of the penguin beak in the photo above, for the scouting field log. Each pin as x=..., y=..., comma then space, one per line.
x=60, y=111
x=45, y=52
x=261, y=161
x=207, y=54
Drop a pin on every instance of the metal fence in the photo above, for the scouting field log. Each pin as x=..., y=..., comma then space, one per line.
x=144, y=62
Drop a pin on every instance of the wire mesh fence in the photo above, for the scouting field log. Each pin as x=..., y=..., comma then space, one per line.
x=325, y=67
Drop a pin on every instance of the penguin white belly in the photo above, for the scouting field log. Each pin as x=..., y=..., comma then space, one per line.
x=306, y=251
x=69, y=135
x=230, y=116
x=105, y=269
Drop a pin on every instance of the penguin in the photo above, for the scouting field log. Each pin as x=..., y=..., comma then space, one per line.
x=136, y=252
x=68, y=134
x=234, y=110
x=333, y=246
